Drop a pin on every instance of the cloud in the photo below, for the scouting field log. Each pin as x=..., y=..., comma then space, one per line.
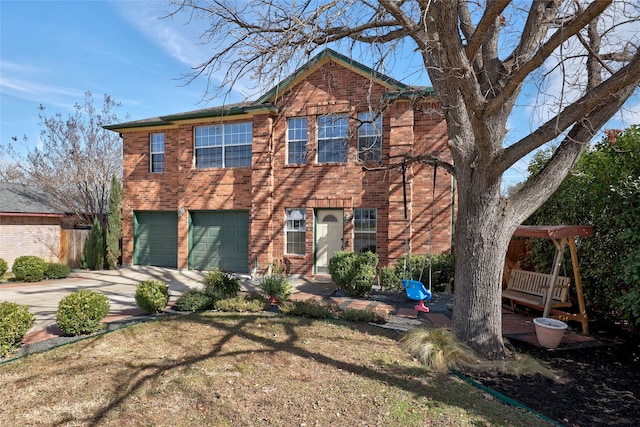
x=27, y=82
x=179, y=37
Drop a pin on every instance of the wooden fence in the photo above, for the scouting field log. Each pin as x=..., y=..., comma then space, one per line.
x=71, y=245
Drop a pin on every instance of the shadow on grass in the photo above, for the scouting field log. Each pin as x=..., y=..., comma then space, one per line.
x=414, y=379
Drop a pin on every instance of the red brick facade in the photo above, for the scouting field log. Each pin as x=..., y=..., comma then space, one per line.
x=270, y=186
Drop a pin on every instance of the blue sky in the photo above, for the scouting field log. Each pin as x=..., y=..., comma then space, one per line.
x=52, y=52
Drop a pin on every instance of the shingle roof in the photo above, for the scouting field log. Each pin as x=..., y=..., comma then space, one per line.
x=396, y=88
x=20, y=198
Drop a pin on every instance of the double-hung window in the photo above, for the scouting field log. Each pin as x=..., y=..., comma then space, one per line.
x=370, y=137
x=223, y=146
x=333, y=138
x=365, y=222
x=157, y=152
x=297, y=141
x=295, y=228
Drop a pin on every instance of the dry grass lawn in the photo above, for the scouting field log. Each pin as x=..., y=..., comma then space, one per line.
x=220, y=369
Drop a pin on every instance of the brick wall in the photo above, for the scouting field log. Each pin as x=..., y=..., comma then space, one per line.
x=29, y=235
x=270, y=186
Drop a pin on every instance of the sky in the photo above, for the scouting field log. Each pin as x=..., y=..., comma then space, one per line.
x=52, y=52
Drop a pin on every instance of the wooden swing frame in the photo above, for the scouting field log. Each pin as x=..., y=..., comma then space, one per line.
x=561, y=236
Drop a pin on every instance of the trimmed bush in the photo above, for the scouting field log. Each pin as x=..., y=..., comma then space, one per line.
x=3, y=267
x=241, y=304
x=353, y=272
x=15, y=322
x=81, y=312
x=309, y=308
x=29, y=268
x=390, y=280
x=366, y=315
x=219, y=284
x=193, y=300
x=152, y=296
x=57, y=271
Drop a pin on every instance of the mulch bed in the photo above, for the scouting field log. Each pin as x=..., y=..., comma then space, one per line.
x=601, y=385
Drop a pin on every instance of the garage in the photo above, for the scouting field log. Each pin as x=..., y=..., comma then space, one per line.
x=219, y=239
x=155, y=239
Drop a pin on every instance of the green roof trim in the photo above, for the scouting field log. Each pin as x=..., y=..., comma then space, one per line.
x=345, y=60
x=233, y=110
x=411, y=93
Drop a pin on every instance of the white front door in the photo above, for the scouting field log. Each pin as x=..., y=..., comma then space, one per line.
x=329, y=237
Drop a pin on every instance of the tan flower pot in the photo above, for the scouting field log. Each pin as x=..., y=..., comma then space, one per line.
x=549, y=331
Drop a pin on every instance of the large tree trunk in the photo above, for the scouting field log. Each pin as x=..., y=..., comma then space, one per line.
x=482, y=236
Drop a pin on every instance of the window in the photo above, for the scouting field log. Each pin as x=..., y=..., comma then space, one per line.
x=297, y=141
x=295, y=229
x=333, y=142
x=370, y=137
x=157, y=152
x=223, y=146
x=365, y=230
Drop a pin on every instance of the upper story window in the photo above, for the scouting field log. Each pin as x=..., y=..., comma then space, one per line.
x=370, y=137
x=365, y=224
x=297, y=141
x=333, y=138
x=157, y=152
x=223, y=146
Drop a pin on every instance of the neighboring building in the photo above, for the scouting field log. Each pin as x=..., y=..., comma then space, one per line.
x=29, y=225
x=282, y=178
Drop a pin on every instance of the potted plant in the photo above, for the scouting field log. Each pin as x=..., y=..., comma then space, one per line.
x=549, y=331
x=276, y=286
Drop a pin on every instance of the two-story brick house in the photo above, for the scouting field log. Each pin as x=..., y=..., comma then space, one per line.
x=283, y=178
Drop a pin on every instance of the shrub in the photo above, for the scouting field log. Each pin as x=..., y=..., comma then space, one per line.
x=390, y=280
x=417, y=268
x=94, y=248
x=311, y=309
x=241, y=304
x=29, y=268
x=276, y=285
x=15, y=322
x=57, y=271
x=366, y=315
x=81, y=312
x=152, y=296
x=353, y=272
x=193, y=300
x=602, y=191
x=219, y=284
x=3, y=267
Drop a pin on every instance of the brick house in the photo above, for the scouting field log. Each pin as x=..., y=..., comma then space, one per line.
x=283, y=178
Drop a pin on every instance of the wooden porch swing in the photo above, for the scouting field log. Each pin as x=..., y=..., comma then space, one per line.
x=549, y=292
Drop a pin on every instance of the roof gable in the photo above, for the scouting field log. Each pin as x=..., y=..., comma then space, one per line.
x=321, y=59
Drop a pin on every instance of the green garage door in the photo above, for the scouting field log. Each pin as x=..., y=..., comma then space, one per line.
x=156, y=239
x=219, y=239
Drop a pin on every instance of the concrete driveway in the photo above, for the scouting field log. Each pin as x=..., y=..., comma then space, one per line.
x=120, y=287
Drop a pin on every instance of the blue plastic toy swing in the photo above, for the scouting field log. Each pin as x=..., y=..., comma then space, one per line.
x=416, y=291
x=415, y=288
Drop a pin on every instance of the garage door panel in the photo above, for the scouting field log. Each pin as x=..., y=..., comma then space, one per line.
x=156, y=239
x=219, y=240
